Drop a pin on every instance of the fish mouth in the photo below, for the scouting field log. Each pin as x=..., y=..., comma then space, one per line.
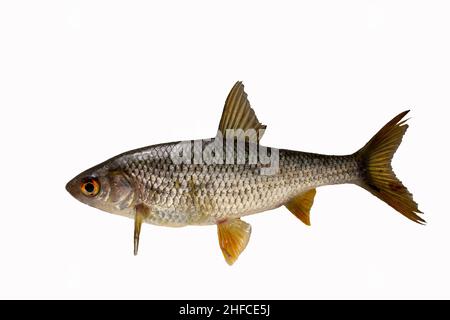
x=70, y=187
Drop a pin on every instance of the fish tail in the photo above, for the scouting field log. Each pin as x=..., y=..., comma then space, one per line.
x=378, y=177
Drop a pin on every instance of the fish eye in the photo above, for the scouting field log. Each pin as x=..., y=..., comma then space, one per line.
x=90, y=187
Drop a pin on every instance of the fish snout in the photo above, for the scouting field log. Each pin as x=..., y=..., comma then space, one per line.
x=72, y=188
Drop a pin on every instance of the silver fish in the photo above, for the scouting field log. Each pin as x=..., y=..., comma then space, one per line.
x=219, y=180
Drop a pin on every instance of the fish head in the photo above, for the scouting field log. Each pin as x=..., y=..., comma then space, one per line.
x=106, y=188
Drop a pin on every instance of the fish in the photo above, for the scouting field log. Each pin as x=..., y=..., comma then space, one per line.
x=218, y=181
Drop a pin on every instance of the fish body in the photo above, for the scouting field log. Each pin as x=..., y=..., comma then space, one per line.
x=219, y=180
x=199, y=194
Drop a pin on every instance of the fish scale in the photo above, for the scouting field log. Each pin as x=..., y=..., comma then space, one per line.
x=201, y=194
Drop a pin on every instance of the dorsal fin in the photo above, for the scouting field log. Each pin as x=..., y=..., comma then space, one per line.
x=237, y=113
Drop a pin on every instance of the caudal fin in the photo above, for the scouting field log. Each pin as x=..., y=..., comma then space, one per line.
x=379, y=178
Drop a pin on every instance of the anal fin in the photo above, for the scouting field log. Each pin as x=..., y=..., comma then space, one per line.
x=301, y=205
x=234, y=235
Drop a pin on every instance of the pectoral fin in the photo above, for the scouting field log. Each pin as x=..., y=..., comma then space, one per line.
x=301, y=205
x=142, y=212
x=233, y=238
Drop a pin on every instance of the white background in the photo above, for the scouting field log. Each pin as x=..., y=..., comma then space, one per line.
x=81, y=81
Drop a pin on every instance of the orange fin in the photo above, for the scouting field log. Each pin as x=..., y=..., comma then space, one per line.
x=142, y=212
x=233, y=238
x=301, y=205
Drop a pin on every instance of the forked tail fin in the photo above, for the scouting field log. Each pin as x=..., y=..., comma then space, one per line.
x=379, y=178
